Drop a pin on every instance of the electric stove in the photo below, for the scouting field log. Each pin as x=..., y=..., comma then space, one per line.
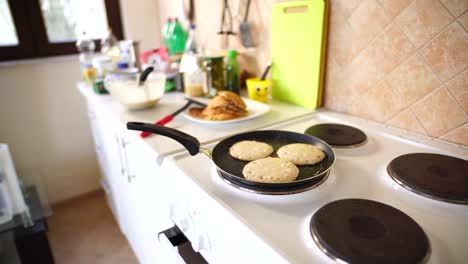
x=380, y=216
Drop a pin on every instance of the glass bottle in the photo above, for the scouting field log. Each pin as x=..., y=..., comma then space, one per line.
x=232, y=72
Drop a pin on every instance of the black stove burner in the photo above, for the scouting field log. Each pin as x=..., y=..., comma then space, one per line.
x=338, y=135
x=435, y=176
x=365, y=231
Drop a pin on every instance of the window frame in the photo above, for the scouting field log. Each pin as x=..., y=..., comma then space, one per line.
x=32, y=34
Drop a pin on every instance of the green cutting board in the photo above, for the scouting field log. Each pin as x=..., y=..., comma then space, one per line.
x=298, y=36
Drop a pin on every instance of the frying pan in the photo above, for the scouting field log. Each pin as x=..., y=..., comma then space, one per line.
x=231, y=169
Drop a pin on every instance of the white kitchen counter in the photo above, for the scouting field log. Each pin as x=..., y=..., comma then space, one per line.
x=279, y=112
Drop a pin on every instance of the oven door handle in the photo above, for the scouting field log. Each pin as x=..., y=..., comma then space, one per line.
x=175, y=242
x=169, y=240
x=174, y=235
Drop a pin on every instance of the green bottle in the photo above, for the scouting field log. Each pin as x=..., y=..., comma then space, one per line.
x=166, y=34
x=178, y=38
x=232, y=72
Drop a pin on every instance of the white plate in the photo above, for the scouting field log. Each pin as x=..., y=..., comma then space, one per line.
x=255, y=109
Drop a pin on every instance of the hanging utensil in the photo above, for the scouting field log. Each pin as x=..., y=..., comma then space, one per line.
x=188, y=11
x=226, y=27
x=245, y=29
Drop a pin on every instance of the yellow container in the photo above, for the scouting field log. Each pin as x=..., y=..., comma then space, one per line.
x=258, y=89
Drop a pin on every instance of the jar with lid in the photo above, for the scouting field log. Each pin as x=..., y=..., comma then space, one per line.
x=214, y=75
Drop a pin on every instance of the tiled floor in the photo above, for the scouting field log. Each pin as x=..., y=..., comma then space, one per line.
x=84, y=231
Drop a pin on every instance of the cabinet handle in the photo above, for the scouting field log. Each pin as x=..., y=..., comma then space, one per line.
x=130, y=176
x=122, y=168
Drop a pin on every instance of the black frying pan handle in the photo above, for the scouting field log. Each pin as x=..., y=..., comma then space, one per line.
x=190, y=143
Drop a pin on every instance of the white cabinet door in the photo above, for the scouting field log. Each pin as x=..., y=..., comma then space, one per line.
x=98, y=140
x=148, y=204
x=136, y=185
x=115, y=168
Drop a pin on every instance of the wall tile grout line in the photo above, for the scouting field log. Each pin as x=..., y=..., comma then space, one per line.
x=464, y=12
x=437, y=75
x=431, y=38
x=456, y=101
x=368, y=44
x=401, y=97
x=450, y=12
x=447, y=9
x=354, y=9
x=419, y=121
x=385, y=78
x=436, y=35
x=347, y=78
x=461, y=25
x=451, y=130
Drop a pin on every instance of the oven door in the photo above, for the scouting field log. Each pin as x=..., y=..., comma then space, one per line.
x=178, y=248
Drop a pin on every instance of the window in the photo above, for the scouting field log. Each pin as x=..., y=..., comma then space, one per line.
x=41, y=28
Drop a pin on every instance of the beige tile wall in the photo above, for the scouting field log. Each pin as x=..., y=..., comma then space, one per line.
x=398, y=62
x=403, y=63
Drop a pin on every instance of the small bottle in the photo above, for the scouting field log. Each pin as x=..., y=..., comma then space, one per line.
x=86, y=46
x=232, y=72
x=191, y=46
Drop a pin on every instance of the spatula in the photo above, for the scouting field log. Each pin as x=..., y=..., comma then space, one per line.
x=245, y=29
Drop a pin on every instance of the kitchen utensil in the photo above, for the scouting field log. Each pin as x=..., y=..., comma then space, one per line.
x=258, y=89
x=144, y=75
x=169, y=118
x=188, y=10
x=226, y=27
x=126, y=89
x=298, y=36
x=231, y=168
x=265, y=73
x=245, y=30
x=255, y=109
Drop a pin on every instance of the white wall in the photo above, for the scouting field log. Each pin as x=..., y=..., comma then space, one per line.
x=43, y=117
x=141, y=22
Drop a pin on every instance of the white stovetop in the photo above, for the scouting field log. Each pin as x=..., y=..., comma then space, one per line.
x=357, y=173
x=204, y=133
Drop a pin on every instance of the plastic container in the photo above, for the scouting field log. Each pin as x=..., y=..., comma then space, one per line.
x=258, y=90
x=124, y=88
x=232, y=72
